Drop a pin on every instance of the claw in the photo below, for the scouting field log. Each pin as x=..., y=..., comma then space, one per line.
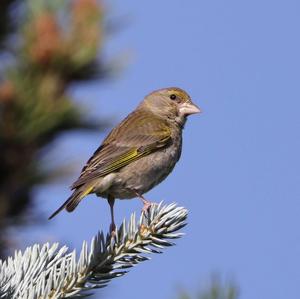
x=112, y=227
x=147, y=206
x=113, y=230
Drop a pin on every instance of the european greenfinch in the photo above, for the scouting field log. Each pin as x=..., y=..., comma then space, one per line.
x=137, y=154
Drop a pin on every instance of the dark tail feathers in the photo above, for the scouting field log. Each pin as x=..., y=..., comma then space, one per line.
x=70, y=204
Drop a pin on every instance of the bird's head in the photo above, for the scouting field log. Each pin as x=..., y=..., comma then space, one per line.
x=171, y=103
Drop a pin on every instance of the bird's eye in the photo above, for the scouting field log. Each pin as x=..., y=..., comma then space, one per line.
x=173, y=97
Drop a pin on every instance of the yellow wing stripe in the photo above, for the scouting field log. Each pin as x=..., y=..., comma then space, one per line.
x=123, y=160
x=130, y=156
x=125, y=157
x=86, y=192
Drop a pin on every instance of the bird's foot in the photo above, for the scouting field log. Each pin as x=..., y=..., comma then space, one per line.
x=146, y=209
x=147, y=205
x=113, y=229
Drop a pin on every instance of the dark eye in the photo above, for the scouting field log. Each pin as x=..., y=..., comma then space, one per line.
x=173, y=97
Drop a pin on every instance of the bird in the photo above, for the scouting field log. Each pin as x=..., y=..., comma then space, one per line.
x=138, y=154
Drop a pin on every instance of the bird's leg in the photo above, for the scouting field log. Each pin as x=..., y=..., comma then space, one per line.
x=147, y=204
x=111, y=202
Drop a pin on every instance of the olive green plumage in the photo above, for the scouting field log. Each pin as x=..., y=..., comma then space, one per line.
x=139, y=152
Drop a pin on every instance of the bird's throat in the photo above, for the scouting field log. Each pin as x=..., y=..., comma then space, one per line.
x=180, y=120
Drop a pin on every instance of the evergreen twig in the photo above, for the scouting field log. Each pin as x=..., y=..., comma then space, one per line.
x=47, y=271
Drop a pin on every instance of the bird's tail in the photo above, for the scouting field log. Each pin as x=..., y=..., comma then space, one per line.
x=72, y=202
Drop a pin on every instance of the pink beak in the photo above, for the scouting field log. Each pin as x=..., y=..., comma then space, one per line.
x=189, y=108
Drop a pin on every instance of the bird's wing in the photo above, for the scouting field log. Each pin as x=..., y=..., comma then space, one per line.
x=140, y=134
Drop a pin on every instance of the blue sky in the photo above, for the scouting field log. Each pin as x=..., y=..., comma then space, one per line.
x=239, y=173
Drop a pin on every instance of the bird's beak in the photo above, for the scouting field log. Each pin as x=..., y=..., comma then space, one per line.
x=189, y=108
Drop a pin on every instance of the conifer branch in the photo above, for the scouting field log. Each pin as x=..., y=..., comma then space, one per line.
x=47, y=271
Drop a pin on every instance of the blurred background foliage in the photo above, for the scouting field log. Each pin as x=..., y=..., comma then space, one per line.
x=45, y=47
x=215, y=289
